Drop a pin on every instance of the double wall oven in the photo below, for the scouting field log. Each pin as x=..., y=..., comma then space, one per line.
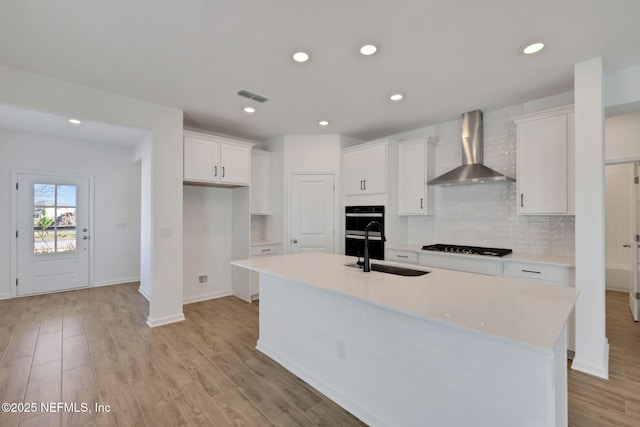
x=356, y=219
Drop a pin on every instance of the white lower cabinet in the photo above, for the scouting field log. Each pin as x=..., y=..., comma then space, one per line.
x=561, y=275
x=470, y=264
x=536, y=271
x=400, y=255
x=258, y=250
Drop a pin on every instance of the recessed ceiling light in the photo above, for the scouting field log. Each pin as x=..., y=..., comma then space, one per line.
x=323, y=123
x=74, y=121
x=249, y=110
x=368, y=49
x=533, y=48
x=397, y=96
x=301, y=56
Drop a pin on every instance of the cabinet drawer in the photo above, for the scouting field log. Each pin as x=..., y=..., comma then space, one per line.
x=265, y=250
x=402, y=256
x=534, y=271
x=489, y=266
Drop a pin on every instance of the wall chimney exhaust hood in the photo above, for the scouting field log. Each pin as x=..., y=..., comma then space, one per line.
x=472, y=171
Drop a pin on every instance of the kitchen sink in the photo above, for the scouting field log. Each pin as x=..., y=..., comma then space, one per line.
x=391, y=269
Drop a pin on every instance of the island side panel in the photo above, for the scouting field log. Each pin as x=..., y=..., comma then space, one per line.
x=390, y=368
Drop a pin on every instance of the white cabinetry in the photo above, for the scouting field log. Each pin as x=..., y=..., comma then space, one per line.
x=536, y=271
x=260, y=182
x=546, y=162
x=259, y=250
x=414, y=161
x=210, y=159
x=471, y=264
x=365, y=169
x=401, y=255
x=561, y=275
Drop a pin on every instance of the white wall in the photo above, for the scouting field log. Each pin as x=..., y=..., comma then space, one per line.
x=617, y=230
x=164, y=200
x=485, y=214
x=116, y=232
x=592, y=348
x=208, y=242
x=622, y=136
x=299, y=154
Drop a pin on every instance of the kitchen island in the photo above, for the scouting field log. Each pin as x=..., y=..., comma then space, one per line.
x=444, y=349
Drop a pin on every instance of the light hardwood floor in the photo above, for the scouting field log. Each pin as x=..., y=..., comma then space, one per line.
x=613, y=402
x=93, y=346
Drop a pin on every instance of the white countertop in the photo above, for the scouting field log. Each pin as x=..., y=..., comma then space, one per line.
x=566, y=261
x=516, y=311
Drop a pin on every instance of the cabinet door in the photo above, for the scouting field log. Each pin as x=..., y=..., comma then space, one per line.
x=353, y=171
x=542, y=166
x=200, y=160
x=411, y=179
x=260, y=183
x=235, y=164
x=375, y=163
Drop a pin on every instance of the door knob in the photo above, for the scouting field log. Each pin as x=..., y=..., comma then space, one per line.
x=85, y=237
x=626, y=245
x=295, y=240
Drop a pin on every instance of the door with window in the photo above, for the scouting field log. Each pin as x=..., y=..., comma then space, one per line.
x=53, y=233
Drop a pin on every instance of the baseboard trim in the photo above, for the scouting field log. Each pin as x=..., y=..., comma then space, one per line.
x=208, y=296
x=334, y=395
x=144, y=293
x=592, y=369
x=165, y=320
x=115, y=282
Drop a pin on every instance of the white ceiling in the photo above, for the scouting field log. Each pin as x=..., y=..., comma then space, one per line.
x=447, y=56
x=24, y=120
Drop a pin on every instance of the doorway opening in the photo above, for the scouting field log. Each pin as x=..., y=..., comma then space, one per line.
x=621, y=230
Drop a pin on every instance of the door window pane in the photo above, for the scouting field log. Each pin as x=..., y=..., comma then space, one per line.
x=54, y=218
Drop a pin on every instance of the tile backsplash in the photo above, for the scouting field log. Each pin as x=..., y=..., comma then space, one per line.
x=485, y=214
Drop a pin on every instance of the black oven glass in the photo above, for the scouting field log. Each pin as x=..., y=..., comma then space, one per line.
x=356, y=220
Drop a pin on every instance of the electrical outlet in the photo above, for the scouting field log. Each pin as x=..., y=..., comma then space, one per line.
x=341, y=350
x=203, y=280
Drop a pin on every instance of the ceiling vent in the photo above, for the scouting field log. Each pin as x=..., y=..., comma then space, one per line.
x=254, y=97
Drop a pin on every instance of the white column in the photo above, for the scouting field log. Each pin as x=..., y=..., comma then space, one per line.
x=592, y=347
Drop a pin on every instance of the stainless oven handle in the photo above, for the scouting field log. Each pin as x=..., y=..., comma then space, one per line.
x=361, y=215
x=358, y=237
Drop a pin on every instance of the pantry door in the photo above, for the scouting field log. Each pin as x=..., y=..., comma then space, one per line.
x=53, y=233
x=312, y=213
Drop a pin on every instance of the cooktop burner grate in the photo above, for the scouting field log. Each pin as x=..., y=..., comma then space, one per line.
x=471, y=250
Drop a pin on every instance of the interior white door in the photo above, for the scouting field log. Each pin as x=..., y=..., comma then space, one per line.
x=53, y=233
x=634, y=293
x=312, y=213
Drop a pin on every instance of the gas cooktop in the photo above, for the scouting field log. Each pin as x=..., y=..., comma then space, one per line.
x=472, y=250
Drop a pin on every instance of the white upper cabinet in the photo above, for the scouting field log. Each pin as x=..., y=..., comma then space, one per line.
x=414, y=196
x=545, y=155
x=260, y=182
x=214, y=160
x=365, y=169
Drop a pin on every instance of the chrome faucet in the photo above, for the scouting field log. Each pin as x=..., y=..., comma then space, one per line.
x=367, y=263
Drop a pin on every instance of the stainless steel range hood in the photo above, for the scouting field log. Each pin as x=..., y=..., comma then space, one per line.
x=472, y=171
